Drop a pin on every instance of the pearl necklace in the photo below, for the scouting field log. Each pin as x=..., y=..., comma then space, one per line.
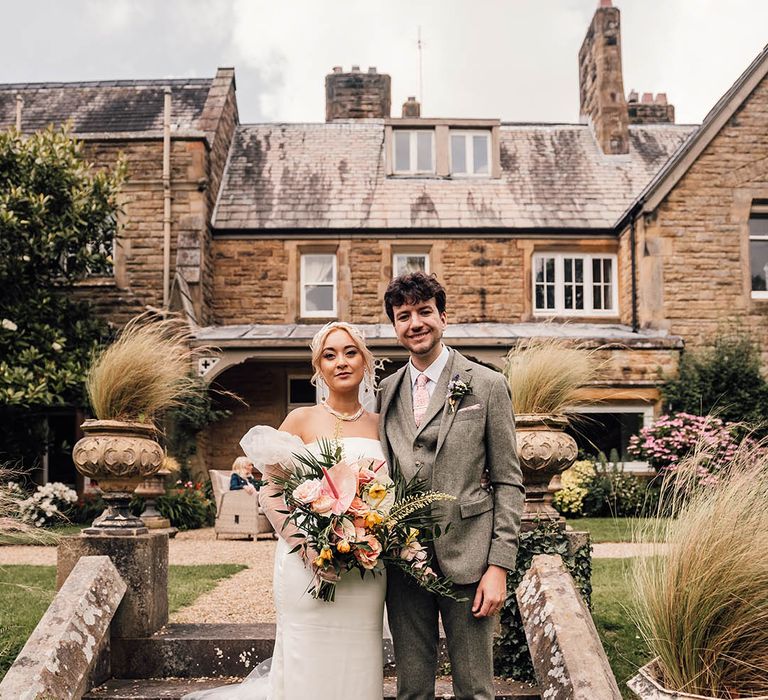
x=343, y=416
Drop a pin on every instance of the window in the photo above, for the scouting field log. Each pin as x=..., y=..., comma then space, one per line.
x=567, y=283
x=758, y=251
x=301, y=392
x=404, y=263
x=608, y=428
x=414, y=151
x=318, y=285
x=470, y=152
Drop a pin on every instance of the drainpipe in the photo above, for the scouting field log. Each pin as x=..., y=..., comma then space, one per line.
x=633, y=259
x=19, y=105
x=167, y=198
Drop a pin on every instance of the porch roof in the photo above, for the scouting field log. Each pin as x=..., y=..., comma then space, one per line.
x=298, y=335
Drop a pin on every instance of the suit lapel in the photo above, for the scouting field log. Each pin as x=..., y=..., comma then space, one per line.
x=464, y=371
x=437, y=401
x=391, y=391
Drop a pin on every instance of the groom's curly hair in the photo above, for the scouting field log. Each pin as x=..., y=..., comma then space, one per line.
x=411, y=289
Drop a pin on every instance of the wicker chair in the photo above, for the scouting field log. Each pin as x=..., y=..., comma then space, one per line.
x=237, y=512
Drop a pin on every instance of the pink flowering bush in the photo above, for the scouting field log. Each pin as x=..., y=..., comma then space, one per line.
x=673, y=437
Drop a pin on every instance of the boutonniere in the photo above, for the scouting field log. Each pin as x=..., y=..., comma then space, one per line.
x=457, y=389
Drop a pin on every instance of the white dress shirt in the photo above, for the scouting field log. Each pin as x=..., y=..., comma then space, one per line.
x=432, y=372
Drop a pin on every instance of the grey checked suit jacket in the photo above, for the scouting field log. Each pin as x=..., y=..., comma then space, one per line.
x=452, y=449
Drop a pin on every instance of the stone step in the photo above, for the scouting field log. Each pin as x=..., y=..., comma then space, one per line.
x=175, y=688
x=208, y=651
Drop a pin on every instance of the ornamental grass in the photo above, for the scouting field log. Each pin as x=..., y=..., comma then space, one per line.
x=702, y=594
x=143, y=373
x=545, y=374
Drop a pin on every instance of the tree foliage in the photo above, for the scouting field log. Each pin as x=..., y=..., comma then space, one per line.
x=724, y=379
x=58, y=220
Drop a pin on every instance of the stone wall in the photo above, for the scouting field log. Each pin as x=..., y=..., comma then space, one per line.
x=693, y=251
x=357, y=95
x=256, y=280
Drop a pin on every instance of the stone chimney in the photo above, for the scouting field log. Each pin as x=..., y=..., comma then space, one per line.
x=600, y=81
x=411, y=108
x=357, y=95
x=652, y=110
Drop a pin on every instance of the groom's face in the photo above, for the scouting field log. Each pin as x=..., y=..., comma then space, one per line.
x=419, y=327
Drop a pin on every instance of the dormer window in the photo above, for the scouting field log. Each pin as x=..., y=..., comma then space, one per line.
x=470, y=153
x=414, y=151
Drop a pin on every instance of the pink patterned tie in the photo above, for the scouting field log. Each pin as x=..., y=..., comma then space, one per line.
x=420, y=398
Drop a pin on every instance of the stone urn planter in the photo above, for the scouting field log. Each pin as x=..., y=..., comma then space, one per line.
x=545, y=451
x=151, y=489
x=119, y=455
x=646, y=686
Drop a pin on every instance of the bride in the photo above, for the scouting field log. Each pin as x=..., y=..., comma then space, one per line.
x=322, y=650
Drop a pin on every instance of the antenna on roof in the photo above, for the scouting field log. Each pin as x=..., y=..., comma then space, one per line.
x=419, y=46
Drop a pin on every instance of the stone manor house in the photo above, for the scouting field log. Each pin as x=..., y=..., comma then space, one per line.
x=625, y=231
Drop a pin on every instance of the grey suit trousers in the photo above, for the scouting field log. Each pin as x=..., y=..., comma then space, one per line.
x=413, y=620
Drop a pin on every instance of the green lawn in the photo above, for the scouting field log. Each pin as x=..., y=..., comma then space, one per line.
x=26, y=592
x=611, y=599
x=608, y=529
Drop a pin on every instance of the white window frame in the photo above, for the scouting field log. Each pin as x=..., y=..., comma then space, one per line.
x=323, y=313
x=645, y=409
x=409, y=254
x=759, y=209
x=413, y=151
x=469, y=150
x=588, y=309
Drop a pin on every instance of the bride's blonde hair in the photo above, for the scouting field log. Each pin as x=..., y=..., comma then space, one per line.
x=318, y=342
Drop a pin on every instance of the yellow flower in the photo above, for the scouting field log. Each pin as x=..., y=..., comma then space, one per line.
x=373, y=518
x=319, y=562
x=326, y=554
x=413, y=533
x=377, y=492
x=342, y=546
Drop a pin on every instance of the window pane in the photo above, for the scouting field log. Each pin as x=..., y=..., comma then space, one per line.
x=758, y=225
x=597, y=297
x=579, y=269
x=607, y=270
x=550, y=268
x=424, y=151
x=458, y=154
x=480, y=153
x=758, y=261
x=301, y=390
x=318, y=298
x=540, y=296
x=606, y=432
x=318, y=269
x=597, y=275
x=568, y=269
x=550, y=296
x=405, y=264
x=607, y=297
x=539, y=269
x=402, y=150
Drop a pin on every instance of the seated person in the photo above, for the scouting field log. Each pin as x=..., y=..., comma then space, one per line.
x=243, y=476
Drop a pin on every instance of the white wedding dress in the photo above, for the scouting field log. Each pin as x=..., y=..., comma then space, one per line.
x=323, y=651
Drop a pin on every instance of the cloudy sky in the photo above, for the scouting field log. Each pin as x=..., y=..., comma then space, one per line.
x=511, y=59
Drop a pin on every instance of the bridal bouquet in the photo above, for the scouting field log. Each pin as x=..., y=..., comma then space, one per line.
x=355, y=516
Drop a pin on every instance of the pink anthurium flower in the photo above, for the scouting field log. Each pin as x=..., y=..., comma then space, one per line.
x=340, y=483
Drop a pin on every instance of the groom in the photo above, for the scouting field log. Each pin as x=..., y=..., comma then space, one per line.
x=449, y=437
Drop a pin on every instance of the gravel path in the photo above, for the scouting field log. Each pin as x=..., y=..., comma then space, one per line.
x=246, y=596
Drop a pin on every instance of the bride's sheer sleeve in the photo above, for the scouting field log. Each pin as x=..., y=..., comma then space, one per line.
x=271, y=452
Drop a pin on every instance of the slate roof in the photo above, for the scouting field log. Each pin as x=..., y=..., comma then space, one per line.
x=331, y=176
x=112, y=106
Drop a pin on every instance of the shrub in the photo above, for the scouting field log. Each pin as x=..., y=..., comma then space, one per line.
x=724, y=379
x=672, y=438
x=702, y=595
x=87, y=508
x=512, y=658
x=600, y=489
x=48, y=504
